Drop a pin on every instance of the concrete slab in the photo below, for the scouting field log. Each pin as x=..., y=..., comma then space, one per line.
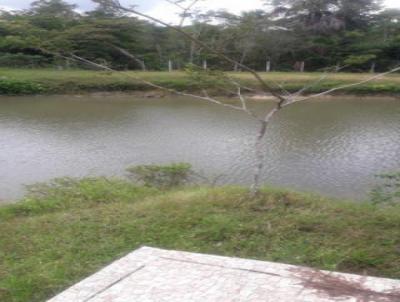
x=156, y=275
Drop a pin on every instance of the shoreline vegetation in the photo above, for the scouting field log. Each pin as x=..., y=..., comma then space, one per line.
x=52, y=81
x=69, y=229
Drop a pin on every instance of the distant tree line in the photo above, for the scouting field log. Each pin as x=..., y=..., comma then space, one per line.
x=287, y=35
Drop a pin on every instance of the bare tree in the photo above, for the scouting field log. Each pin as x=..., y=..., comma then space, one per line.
x=281, y=97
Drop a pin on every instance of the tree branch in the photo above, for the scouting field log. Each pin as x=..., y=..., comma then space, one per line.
x=185, y=10
x=170, y=90
x=370, y=79
x=265, y=86
x=131, y=56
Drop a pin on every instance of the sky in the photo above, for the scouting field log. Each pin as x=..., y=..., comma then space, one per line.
x=165, y=11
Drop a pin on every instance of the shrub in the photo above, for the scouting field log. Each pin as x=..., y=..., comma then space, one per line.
x=388, y=191
x=9, y=86
x=161, y=176
x=359, y=60
x=66, y=193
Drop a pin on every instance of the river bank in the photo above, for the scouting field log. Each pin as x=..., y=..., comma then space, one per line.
x=150, y=94
x=48, y=81
x=67, y=232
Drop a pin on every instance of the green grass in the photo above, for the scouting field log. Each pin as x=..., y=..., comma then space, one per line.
x=78, y=81
x=71, y=229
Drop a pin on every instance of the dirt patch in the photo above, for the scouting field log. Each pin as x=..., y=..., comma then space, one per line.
x=329, y=285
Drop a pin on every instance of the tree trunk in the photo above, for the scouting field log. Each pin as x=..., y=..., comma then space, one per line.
x=159, y=52
x=259, y=158
x=192, y=51
x=255, y=187
x=302, y=66
x=244, y=55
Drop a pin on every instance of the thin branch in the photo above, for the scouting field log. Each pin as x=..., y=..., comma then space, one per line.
x=185, y=10
x=266, y=87
x=176, y=3
x=370, y=79
x=131, y=56
x=305, y=88
x=170, y=90
x=237, y=84
x=286, y=92
x=242, y=99
x=321, y=79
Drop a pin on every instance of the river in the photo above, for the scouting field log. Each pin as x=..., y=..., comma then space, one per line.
x=332, y=146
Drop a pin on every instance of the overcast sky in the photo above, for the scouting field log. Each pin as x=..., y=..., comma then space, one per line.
x=161, y=9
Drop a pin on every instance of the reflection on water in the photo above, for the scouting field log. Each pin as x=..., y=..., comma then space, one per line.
x=332, y=147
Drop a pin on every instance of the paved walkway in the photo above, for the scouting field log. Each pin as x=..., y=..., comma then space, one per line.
x=156, y=275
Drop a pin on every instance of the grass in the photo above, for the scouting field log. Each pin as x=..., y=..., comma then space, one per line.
x=77, y=81
x=72, y=228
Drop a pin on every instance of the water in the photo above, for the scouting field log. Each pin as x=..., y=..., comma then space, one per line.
x=332, y=147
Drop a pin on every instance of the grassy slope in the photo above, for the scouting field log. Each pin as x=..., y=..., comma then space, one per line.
x=54, y=81
x=48, y=243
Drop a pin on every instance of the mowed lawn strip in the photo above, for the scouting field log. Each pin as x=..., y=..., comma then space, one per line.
x=52, y=81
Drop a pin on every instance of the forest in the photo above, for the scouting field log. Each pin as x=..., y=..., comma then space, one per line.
x=310, y=35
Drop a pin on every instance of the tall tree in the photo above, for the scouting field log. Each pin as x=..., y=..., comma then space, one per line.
x=325, y=15
x=52, y=14
x=55, y=8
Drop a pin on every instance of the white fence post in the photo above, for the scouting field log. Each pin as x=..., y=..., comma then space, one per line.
x=170, y=67
x=205, y=64
x=268, y=66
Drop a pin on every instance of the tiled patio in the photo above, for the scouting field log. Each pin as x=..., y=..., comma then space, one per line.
x=150, y=274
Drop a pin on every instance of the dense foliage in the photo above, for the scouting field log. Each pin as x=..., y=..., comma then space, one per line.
x=323, y=33
x=8, y=86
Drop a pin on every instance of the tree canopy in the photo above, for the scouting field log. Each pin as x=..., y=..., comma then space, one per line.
x=322, y=33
